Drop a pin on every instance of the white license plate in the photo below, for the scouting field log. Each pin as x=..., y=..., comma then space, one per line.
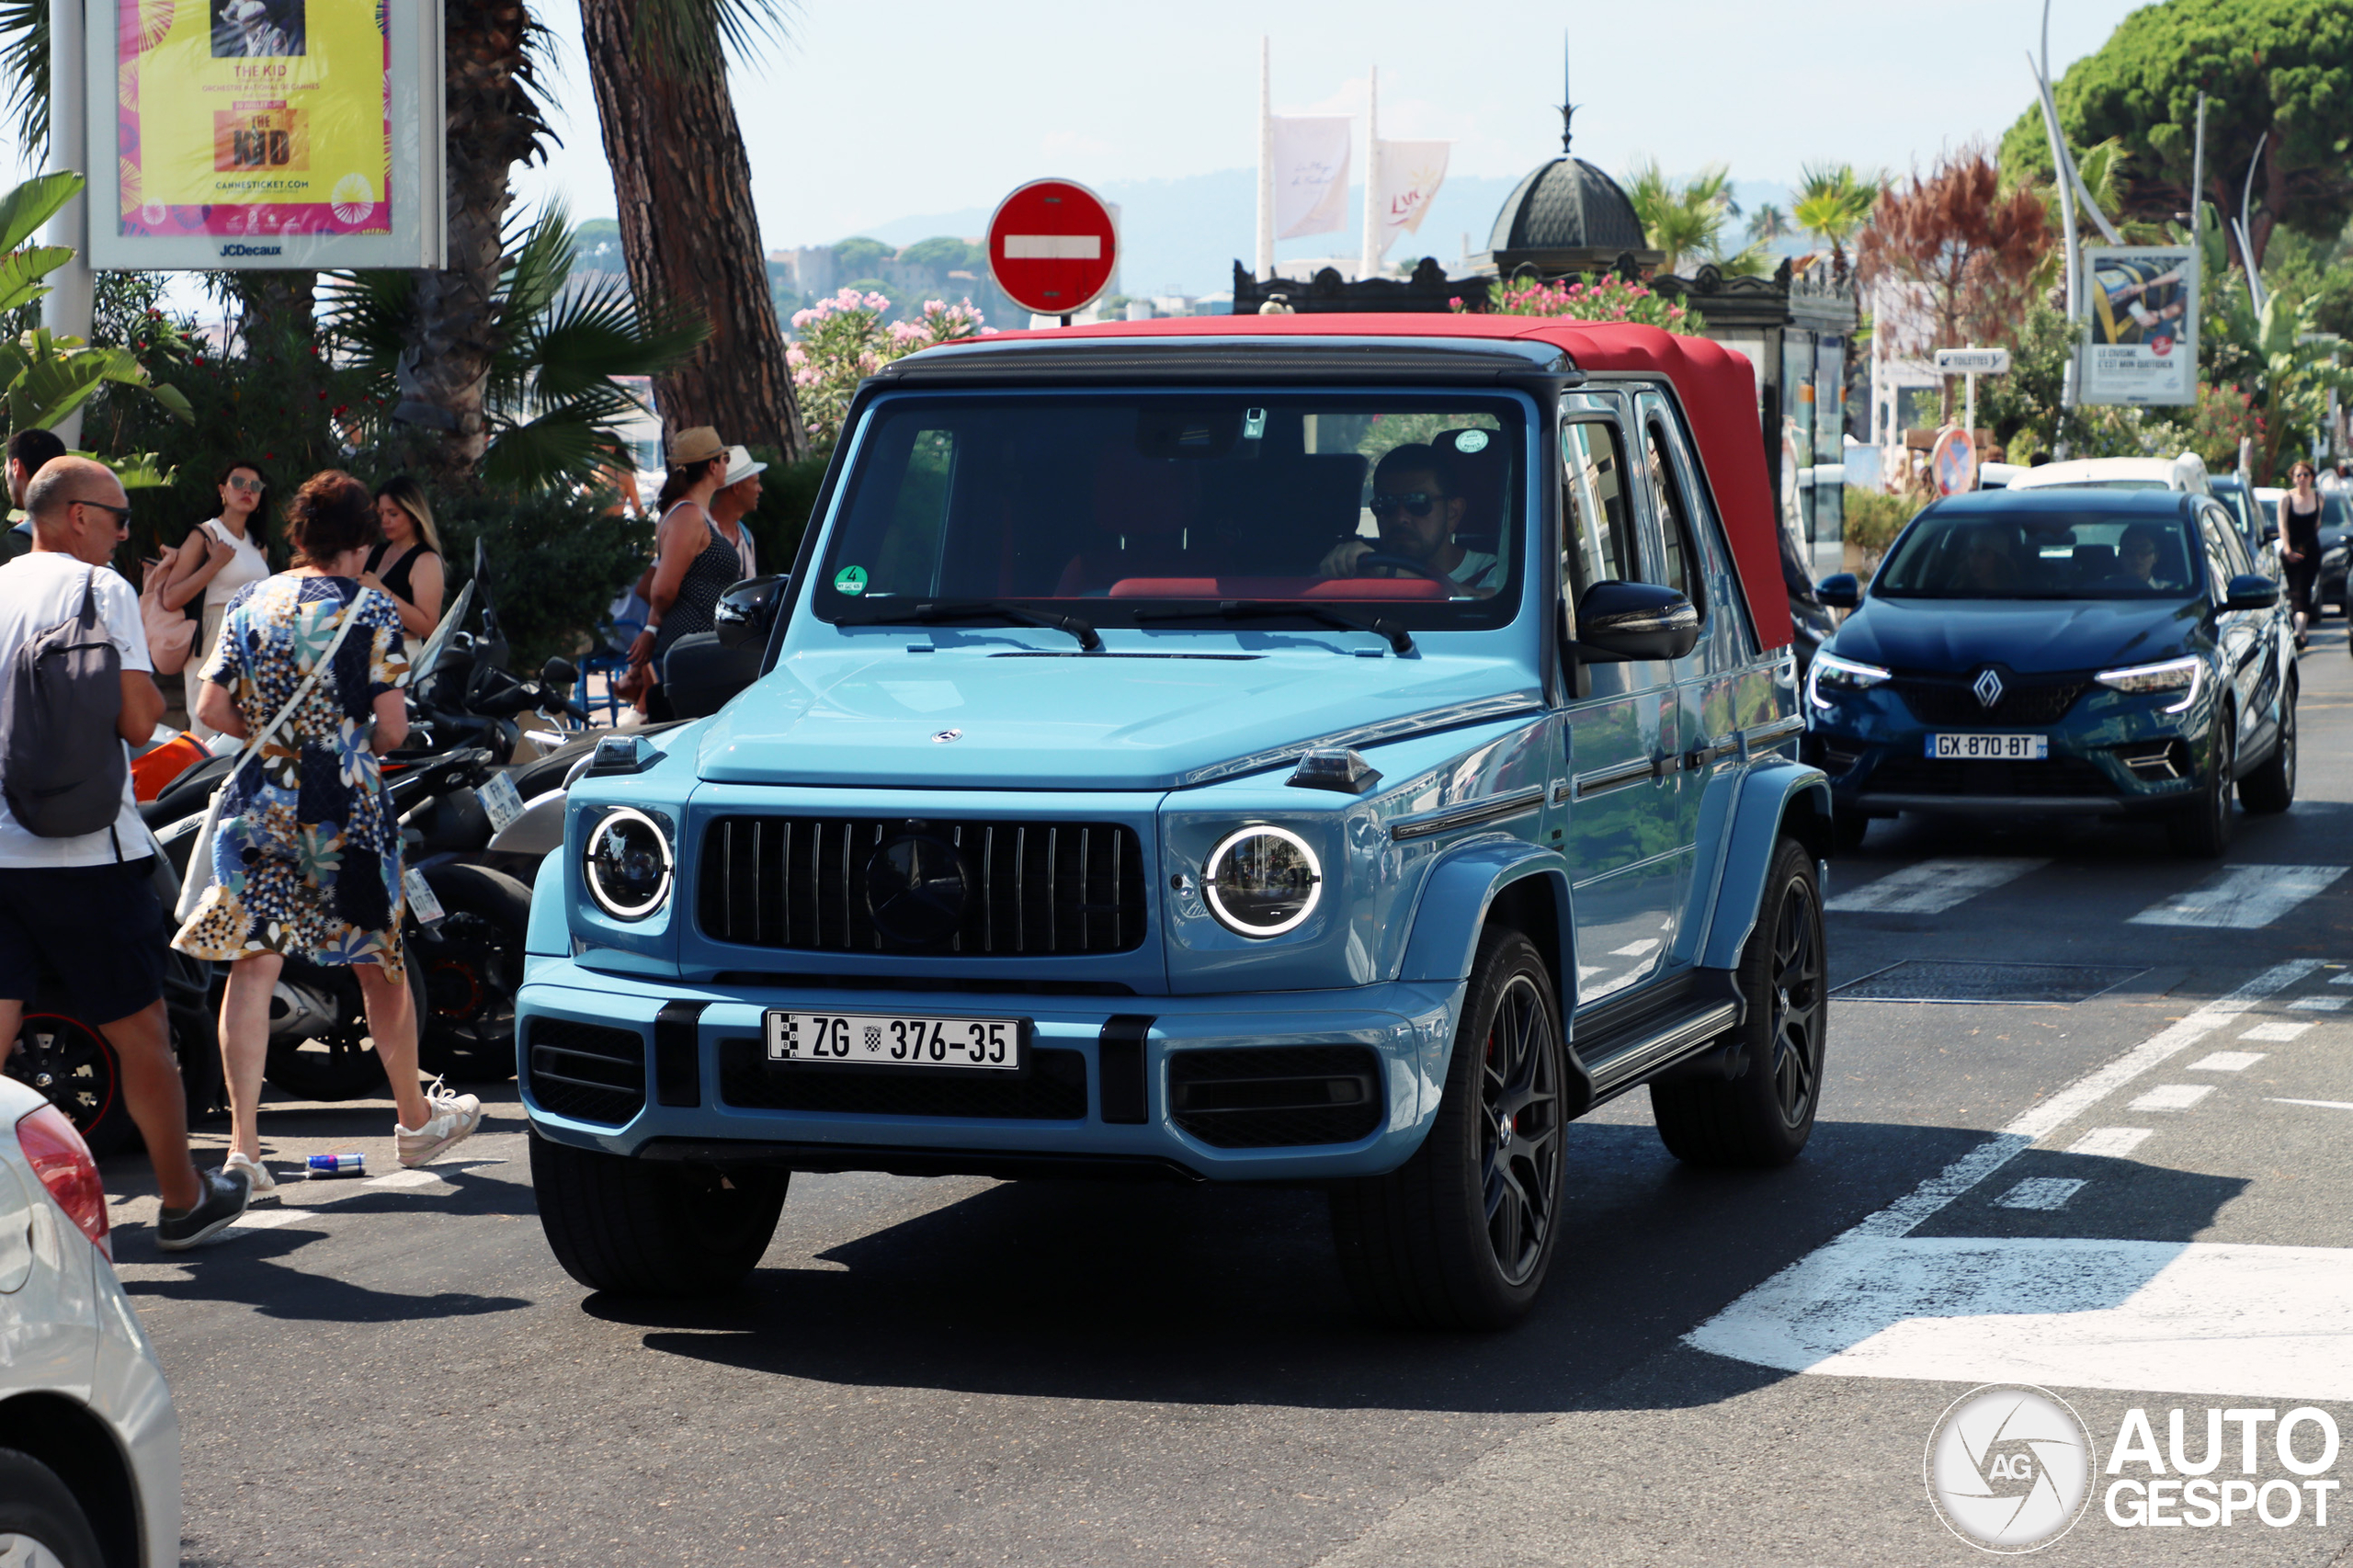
x=895, y=1039
x=2004, y=748
x=502, y=801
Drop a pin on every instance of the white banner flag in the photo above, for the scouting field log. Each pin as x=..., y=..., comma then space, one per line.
x=1411, y=172
x=1310, y=173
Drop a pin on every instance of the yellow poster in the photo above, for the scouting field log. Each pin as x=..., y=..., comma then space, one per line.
x=266, y=118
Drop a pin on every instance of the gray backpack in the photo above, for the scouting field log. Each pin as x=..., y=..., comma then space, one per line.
x=62, y=760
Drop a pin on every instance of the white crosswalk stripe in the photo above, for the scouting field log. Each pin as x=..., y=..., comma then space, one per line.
x=1932, y=887
x=2242, y=898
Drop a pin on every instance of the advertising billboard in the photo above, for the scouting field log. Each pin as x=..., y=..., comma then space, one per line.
x=2143, y=347
x=266, y=133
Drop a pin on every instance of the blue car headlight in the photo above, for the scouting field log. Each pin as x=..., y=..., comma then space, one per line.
x=1262, y=881
x=2174, y=675
x=626, y=864
x=1832, y=674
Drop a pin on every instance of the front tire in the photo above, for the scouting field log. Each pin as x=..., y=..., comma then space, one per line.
x=1764, y=1116
x=2202, y=830
x=1462, y=1235
x=38, y=1511
x=73, y=1068
x=648, y=1228
x=2271, y=788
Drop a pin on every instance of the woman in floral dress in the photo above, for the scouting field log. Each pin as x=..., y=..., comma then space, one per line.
x=306, y=859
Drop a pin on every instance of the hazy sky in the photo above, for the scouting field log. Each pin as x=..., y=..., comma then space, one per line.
x=872, y=112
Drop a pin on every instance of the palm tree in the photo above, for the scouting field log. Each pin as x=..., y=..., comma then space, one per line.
x=1685, y=221
x=683, y=185
x=550, y=409
x=1834, y=203
x=1767, y=224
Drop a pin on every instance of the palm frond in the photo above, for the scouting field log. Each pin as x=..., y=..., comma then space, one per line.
x=539, y=256
x=686, y=36
x=24, y=67
x=33, y=203
x=561, y=446
x=595, y=332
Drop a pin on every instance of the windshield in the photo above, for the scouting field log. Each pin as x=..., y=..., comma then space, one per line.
x=2023, y=555
x=1135, y=507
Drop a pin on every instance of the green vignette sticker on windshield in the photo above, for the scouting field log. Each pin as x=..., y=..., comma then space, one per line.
x=850, y=580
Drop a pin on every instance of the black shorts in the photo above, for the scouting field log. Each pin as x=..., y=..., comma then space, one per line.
x=95, y=933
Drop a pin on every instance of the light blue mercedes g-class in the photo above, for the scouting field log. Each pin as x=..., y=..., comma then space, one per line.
x=1336, y=749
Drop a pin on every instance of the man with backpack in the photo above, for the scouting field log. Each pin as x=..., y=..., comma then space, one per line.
x=78, y=904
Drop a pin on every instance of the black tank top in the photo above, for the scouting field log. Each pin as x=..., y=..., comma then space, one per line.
x=396, y=580
x=708, y=574
x=2304, y=527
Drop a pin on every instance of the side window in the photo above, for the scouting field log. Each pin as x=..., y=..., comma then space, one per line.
x=1682, y=569
x=2234, y=544
x=2219, y=569
x=1596, y=516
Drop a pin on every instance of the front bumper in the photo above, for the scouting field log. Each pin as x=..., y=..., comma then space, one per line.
x=2111, y=755
x=701, y=1066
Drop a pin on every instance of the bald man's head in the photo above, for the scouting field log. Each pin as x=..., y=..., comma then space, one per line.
x=89, y=531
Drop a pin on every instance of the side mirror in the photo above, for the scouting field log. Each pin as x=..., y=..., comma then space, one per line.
x=2271, y=533
x=1635, y=620
x=557, y=675
x=1840, y=590
x=2248, y=591
x=745, y=612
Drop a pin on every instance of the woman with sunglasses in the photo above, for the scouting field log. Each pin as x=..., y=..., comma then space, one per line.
x=223, y=554
x=2299, y=543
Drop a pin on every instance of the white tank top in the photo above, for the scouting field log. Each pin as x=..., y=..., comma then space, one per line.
x=248, y=565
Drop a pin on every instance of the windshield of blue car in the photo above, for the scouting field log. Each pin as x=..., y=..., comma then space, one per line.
x=1156, y=508
x=2015, y=555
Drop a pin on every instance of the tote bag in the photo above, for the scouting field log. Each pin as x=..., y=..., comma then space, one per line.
x=170, y=634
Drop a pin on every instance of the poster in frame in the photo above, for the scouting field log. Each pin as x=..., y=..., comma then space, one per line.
x=294, y=134
x=2143, y=313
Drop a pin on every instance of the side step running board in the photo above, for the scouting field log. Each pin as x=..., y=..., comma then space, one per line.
x=1617, y=1064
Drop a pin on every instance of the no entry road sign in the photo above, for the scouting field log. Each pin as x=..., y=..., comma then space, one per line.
x=1051, y=246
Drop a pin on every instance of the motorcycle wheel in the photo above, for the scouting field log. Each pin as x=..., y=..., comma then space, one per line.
x=338, y=1062
x=72, y=1066
x=472, y=960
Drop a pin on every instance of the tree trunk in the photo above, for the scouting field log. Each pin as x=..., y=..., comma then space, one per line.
x=491, y=122
x=689, y=235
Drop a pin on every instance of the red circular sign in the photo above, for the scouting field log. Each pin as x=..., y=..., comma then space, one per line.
x=1051, y=246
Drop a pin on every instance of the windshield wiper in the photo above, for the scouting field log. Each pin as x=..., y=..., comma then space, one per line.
x=1380, y=626
x=927, y=612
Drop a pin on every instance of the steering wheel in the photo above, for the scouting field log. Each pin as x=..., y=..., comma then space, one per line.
x=1376, y=558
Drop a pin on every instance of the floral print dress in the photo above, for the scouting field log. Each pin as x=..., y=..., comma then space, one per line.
x=306, y=859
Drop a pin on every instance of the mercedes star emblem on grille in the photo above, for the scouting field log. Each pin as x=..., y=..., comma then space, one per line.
x=1988, y=687
x=945, y=736
x=916, y=889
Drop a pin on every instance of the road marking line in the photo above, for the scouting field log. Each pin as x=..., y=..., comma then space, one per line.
x=2112, y=1142
x=2317, y=1005
x=2345, y=978
x=1932, y=887
x=2227, y=1061
x=2325, y=1105
x=2040, y=1192
x=405, y=1179
x=2242, y=898
x=2278, y=1032
x=2168, y=1316
x=265, y=1220
x=2172, y=1096
x=1871, y=1272
x=1634, y=950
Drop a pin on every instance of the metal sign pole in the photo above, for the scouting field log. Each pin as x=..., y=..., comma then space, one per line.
x=72, y=296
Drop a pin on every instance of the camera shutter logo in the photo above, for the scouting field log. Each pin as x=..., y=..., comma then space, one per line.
x=2010, y=1468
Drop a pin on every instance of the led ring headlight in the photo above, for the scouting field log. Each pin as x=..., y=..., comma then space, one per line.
x=626, y=864
x=1262, y=880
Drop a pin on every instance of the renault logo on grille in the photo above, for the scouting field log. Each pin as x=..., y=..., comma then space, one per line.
x=916, y=889
x=1988, y=687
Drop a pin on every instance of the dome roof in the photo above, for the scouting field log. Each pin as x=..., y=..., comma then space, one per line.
x=1568, y=204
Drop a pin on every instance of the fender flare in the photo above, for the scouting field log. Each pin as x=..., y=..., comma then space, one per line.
x=1455, y=899
x=1769, y=796
x=549, y=934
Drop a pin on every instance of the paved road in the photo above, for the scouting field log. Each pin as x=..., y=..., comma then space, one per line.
x=1726, y=1369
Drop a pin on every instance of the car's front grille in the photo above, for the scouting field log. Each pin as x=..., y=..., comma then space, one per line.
x=1055, y=1089
x=1953, y=702
x=2053, y=777
x=587, y=1072
x=1002, y=888
x=1275, y=1096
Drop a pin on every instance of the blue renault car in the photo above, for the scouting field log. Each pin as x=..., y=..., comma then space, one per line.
x=2060, y=651
x=1339, y=750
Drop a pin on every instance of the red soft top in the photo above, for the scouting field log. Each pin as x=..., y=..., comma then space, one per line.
x=1716, y=385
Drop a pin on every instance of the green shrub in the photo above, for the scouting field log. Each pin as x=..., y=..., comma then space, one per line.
x=555, y=561
x=1875, y=517
x=787, y=495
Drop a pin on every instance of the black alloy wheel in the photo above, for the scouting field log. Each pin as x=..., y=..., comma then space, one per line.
x=2271, y=788
x=2203, y=829
x=71, y=1066
x=1462, y=1235
x=1754, y=1102
x=1519, y=1130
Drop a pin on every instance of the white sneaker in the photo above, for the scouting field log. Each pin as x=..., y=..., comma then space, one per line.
x=257, y=1178
x=454, y=1119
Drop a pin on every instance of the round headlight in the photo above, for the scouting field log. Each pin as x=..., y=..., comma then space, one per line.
x=1262, y=880
x=627, y=864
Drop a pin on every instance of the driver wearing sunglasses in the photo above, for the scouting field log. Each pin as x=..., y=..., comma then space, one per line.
x=1417, y=509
